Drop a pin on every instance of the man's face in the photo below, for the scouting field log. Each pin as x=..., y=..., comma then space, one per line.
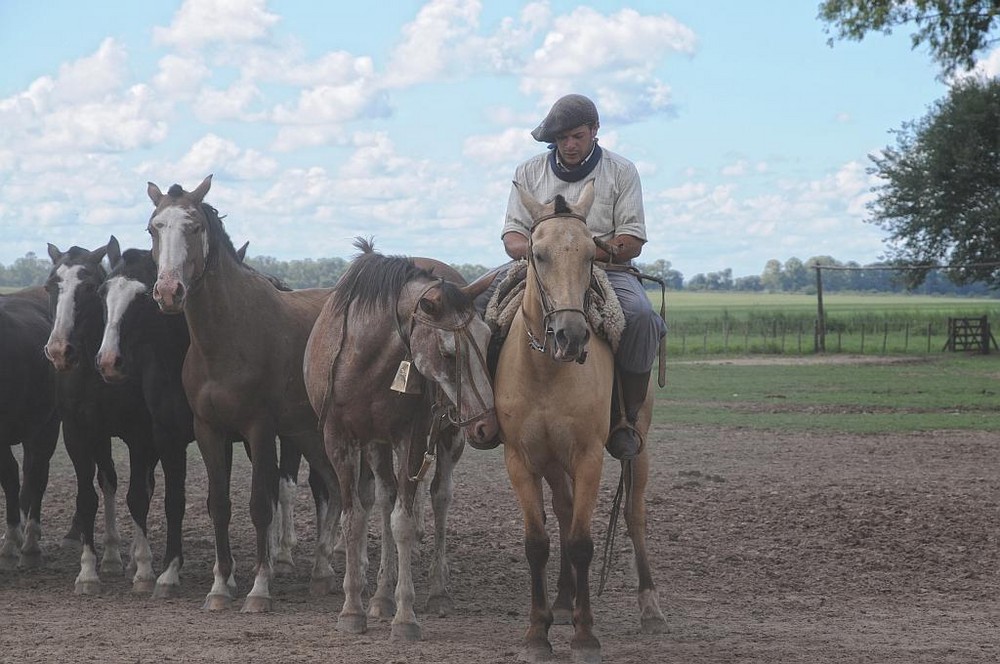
x=575, y=144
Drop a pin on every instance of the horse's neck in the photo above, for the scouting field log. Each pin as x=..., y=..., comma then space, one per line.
x=218, y=307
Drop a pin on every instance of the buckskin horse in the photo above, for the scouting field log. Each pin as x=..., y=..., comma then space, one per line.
x=143, y=344
x=28, y=417
x=388, y=315
x=92, y=412
x=553, y=408
x=242, y=375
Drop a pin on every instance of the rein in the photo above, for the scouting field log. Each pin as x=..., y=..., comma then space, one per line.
x=545, y=300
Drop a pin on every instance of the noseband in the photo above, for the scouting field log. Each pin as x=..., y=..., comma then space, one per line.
x=545, y=300
x=463, y=342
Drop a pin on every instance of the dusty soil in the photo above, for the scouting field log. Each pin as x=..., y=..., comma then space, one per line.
x=766, y=548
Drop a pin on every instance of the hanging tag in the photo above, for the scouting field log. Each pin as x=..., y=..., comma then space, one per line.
x=408, y=380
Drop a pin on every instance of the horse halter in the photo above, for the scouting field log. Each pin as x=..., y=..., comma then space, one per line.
x=463, y=342
x=548, y=309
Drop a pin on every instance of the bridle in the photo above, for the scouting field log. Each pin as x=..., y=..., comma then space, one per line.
x=545, y=300
x=463, y=343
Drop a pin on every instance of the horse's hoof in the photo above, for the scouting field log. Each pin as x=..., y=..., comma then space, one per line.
x=217, y=603
x=87, y=588
x=352, y=623
x=143, y=586
x=653, y=625
x=112, y=566
x=284, y=567
x=540, y=651
x=167, y=591
x=30, y=560
x=587, y=655
x=439, y=605
x=562, y=616
x=322, y=586
x=381, y=608
x=408, y=632
x=256, y=604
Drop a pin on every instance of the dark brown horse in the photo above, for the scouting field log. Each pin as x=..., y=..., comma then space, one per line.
x=553, y=409
x=28, y=417
x=242, y=376
x=92, y=413
x=387, y=315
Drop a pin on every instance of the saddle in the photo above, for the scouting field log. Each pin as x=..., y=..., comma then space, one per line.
x=604, y=312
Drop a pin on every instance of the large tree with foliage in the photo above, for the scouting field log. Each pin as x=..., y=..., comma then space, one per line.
x=953, y=30
x=940, y=197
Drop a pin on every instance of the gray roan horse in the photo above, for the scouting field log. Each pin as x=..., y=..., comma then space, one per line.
x=387, y=311
x=553, y=408
x=242, y=376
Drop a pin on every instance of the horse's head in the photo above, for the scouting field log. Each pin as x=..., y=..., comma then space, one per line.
x=126, y=289
x=179, y=228
x=560, y=258
x=448, y=342
x=72, y=285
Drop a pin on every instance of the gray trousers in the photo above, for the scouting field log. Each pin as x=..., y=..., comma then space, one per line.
x=643, y=327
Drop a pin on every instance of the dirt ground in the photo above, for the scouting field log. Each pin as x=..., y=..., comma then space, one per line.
x=766, y=548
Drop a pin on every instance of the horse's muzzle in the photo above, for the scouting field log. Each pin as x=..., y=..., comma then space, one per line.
x=109, y=365
x=569, y=342
x=169, y=294
x=61, y=354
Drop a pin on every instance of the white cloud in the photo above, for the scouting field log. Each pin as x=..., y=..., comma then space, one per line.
x=508, y=147
x=180, y=77
x=617, y=55
x=200, y=23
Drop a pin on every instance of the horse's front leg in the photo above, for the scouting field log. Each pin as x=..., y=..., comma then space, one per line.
x=173, y=455
x=442, y=493
x=528, y=489
x=38, y=451
x=580, y=551
x=404, y=532
x=11, y=482
x=263, y=503
x=142, y=463
x=562, y=505
x=217, y=453
x=80, y=451
x=288, y=478
x=346, y=458
x=651, y=618
x=107, y=478
x=383, y=605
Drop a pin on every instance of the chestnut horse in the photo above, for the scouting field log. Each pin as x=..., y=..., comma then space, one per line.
x=387, y=319
x=242, y=376
x=553, y=408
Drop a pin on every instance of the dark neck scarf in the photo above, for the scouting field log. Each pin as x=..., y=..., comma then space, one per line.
x=576, y=174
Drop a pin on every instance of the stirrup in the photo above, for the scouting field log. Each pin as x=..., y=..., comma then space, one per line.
x=624, y=454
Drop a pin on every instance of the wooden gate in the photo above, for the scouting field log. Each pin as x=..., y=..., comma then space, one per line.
x=969, y=334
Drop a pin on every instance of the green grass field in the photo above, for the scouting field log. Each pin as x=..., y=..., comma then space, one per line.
x=946, y=391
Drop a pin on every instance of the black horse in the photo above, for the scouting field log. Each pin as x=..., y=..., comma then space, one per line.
x=27, y=417
x=142, y=344
x=93, y=412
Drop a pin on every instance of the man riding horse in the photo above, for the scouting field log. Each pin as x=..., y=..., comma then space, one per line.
x=573, y=158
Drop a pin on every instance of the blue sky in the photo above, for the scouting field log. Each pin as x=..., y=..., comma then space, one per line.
x=404, y=121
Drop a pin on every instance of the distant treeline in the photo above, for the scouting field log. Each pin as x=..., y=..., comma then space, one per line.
x=792, y=276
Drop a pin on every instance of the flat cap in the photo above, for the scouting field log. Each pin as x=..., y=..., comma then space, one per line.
x=568, y=112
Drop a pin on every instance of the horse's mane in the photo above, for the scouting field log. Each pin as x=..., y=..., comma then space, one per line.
x=137, y=264
x=217, y=235
x=374, y=281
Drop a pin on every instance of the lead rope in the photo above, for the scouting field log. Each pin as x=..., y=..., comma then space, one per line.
x=609, y=538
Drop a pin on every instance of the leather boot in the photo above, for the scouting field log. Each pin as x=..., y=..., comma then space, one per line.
x=624, y=443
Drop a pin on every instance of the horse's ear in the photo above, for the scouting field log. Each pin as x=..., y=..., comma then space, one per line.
x=114, y=252
x=154, y=193
x=241, y=253
x=97, y=255
x=477, y=287
x=54, y=253
x=430, y=303
x=198, y=195
x=582, y=205
x=534, y=208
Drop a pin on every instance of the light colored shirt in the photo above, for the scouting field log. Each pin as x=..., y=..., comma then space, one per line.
x=617, y=208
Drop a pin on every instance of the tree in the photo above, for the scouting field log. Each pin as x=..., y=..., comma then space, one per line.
x=940, y=201
x=953, y=30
